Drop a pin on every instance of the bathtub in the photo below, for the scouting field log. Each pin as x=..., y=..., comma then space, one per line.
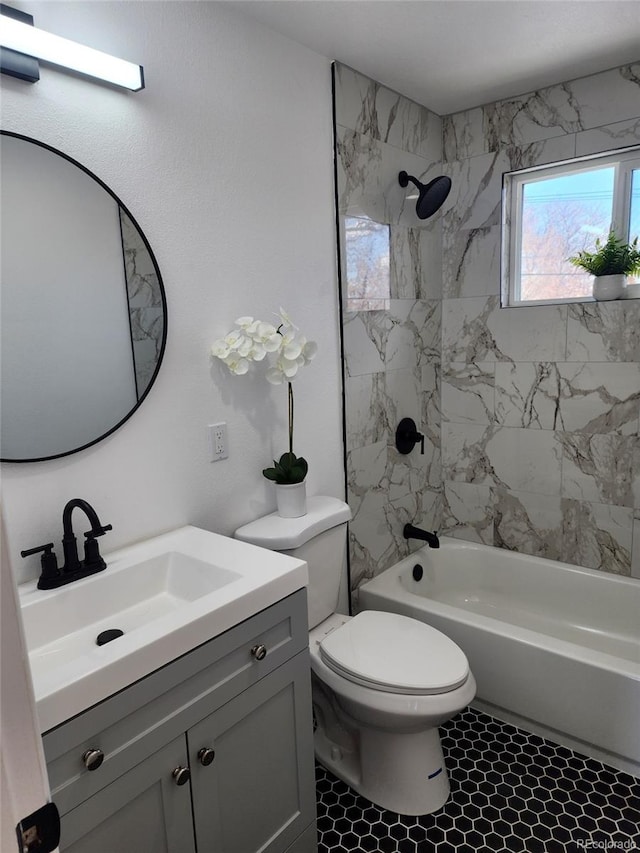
x=554, y=648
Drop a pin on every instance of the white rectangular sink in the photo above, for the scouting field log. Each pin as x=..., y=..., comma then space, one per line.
x=167, y=595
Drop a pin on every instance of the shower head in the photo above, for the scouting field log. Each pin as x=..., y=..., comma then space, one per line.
x=431, y=196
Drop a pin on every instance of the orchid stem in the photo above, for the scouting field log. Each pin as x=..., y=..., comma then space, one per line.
x=290, y=418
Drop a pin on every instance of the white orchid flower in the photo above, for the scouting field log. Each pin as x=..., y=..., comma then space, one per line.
x=287, y=334
x=254, y=339
x=220, y=349
x=244, y=347
x=288, y=367
x=236, y=364
x=234, y=339
x=274, y=376
x=292, y=350
x=286, y=319
x=258, y=352
x=267, y=334
x=273, y=343
x=309, y=351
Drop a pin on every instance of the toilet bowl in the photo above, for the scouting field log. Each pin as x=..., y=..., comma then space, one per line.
x=379, y=716
x=382, y=682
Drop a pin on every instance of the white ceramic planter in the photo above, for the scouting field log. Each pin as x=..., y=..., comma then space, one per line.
x=291, y=499
x=606, y=287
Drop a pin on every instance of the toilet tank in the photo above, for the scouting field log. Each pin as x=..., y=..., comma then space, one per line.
x=319, y=538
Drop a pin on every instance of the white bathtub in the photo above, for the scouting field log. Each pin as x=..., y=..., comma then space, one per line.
x=554, y=648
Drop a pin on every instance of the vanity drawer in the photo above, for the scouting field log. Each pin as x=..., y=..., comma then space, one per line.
x=137, y=721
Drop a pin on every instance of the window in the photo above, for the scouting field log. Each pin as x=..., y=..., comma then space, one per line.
x=367, y=264
x=552, y=212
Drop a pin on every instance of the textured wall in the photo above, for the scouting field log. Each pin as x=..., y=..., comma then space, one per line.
x=540, y=405
x=532, y=430
x=225, y=161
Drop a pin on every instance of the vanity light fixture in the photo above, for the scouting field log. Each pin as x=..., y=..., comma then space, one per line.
x=30, y=43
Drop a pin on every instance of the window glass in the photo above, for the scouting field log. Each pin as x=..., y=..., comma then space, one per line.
x=561, y=216
x=634, y=217
x=553, y=212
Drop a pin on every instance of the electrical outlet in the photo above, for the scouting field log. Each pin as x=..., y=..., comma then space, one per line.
x=218, y=442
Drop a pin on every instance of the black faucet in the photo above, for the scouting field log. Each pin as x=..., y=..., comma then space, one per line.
x=411, y=532
x=74, y=568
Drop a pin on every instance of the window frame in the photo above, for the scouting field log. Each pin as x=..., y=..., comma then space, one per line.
x=624, y=160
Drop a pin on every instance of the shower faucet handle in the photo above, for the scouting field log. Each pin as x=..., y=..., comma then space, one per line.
x=407, y=436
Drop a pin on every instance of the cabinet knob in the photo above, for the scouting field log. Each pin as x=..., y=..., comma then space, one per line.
x=93, y=758
x=259, y=652
x=181, y=775
x=206, y=756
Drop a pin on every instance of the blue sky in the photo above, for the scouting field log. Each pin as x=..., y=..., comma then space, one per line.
x=594, y=185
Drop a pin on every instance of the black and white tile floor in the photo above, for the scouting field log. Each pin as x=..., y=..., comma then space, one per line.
x=510, y=791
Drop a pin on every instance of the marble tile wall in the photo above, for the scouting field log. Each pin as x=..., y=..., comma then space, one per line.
x=531, y=415
x=540, y=405
x=392, y=358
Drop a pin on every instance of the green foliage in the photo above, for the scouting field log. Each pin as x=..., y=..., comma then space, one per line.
x=614, y=257
x=288, y=470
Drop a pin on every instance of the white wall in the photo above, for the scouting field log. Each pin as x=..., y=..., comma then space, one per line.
x=225, y=160
x=23, y=777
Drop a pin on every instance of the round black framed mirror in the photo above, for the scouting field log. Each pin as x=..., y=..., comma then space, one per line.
x=83, y=326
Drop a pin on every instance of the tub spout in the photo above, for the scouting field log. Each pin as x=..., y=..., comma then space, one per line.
x=411, y=532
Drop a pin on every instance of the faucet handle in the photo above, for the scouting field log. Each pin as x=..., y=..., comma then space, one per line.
x=49, y=562
x=44, y=549
x=98, y=531
x=92, y=556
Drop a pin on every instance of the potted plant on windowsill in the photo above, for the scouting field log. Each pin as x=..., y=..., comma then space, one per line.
x=287, y=350
x=610, y=264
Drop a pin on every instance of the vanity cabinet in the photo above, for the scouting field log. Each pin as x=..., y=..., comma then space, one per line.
x=232, y=726
x=142, y=811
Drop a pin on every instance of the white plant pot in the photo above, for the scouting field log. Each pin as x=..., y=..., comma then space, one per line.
x=291, y=499
x=606, y=287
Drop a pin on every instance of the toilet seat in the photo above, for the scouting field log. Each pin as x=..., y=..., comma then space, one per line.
x=394, y=654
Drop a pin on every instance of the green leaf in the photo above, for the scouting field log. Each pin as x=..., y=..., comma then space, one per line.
x=289, y=469
x=614, y=257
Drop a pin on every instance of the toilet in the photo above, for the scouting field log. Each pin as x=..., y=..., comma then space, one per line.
x=382, y=682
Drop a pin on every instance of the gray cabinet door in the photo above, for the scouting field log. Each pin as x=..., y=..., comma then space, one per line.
x=143, y=811
x=258, y=794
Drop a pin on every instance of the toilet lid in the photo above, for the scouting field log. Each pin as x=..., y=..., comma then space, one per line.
x=395, y=654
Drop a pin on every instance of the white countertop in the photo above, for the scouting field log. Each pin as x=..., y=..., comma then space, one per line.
x=71, y=673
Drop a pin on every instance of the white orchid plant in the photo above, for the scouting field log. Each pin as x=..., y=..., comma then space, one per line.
x=286, y=351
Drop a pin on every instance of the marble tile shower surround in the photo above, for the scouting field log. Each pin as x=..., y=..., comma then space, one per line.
x=606, y=103
x=372, y=110
x=531, y=414
x=392, y=358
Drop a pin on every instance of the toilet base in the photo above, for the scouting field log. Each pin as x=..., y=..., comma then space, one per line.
x=404, y=773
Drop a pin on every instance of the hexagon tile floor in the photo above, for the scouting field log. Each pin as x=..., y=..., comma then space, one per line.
x=510, y=791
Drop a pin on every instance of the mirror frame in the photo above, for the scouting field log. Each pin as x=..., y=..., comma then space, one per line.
x=163, y=297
